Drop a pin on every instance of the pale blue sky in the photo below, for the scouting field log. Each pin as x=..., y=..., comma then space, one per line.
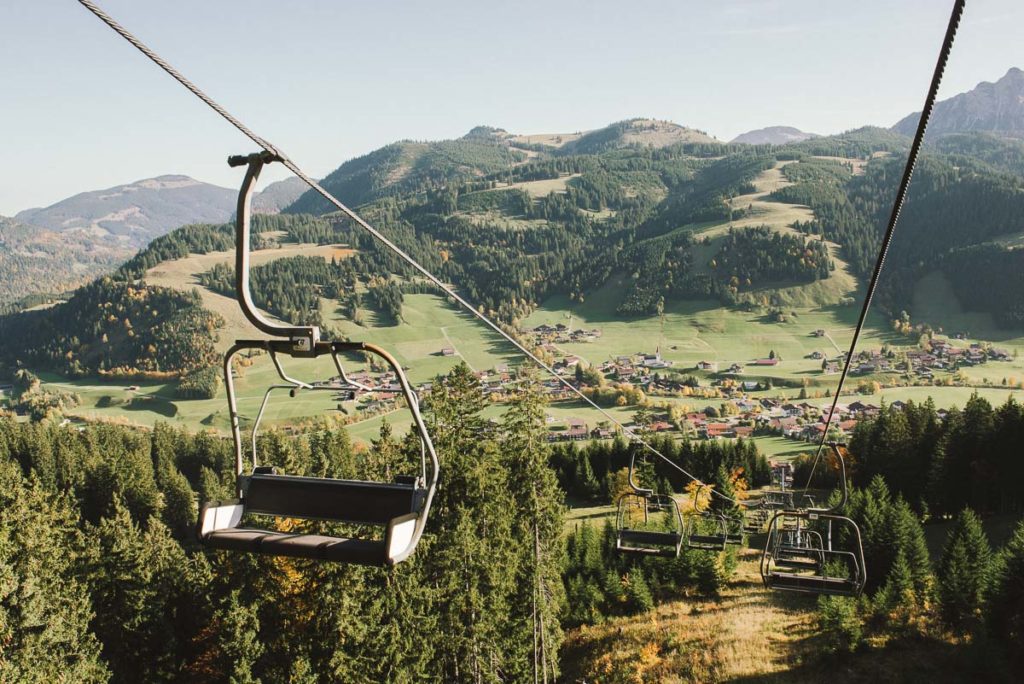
x=328, y=80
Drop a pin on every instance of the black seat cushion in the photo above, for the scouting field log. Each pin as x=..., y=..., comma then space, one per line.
x=812, y=583
x=314, y=546
x=719, y=539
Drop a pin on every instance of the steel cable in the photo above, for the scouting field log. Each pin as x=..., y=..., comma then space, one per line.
x=294, y=168
x=894, y=216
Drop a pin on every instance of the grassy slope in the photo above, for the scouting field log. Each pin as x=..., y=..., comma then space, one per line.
x=780, y=217
x=182, y=274
x=747, y=634
x=416, y=344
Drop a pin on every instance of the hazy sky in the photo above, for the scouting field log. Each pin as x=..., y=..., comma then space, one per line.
x=332, y=79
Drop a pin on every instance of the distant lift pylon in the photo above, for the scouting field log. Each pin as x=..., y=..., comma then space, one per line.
x=400, y=507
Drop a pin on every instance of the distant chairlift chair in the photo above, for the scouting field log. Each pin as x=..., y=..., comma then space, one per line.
x=800, y=554
x=706, y=530
x=400, y=507
x=647, y=539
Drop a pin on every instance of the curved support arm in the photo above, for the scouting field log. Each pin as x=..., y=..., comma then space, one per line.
x=304, y=337
x=635, y=487
x=299, y=384
x=344, y=377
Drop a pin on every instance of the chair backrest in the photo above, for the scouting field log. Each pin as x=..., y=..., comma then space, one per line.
x=353, y=501
x=648, y=537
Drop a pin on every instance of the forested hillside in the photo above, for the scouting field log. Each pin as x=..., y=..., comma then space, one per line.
x=113, y=327
x=49, y=251
x=97, y=533
x=35, y=262
x=408, y=167
x=955, y=205
x=106, y=581
x=511, y=227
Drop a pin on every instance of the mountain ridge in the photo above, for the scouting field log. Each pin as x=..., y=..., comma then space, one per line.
x=993, y=107
x=773, y=135
x=47, y=250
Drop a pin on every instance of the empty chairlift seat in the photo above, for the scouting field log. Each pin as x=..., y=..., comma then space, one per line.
x=400, y=507
x=706, y=531
x=809, y=562
x=648, y=524
x=394, y=506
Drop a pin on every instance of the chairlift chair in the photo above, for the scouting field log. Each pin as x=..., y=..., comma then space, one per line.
x=734, y=528
x=400, y=507
x=705, y=530
x=647, y=539
x=799, y=548
x=800, y=554
x=755, y=519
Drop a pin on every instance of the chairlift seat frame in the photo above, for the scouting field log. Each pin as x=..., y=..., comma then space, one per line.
x=648, y=542
x=401, y=507
x=782, y=560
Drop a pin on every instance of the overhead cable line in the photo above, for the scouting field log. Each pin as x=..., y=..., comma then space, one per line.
x=302, y=175
x=450, y=292
x=894, y=216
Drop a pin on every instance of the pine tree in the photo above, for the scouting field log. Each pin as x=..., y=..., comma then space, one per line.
x=584, y=479
x=909, y=537
x=1006, y=596
x=136, y=591
x=840, y=623
x=723, y=486
x=638, y=594
x=964, y=572
x=539, y=515
x=44, y=606
x=474, y=549
x=897, y=598
x=238, y=628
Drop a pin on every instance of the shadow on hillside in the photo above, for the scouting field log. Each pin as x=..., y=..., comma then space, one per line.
x=156, y=405
x=908, y=659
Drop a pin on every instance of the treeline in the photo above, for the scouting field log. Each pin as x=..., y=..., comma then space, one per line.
x=971, y=458
x=587, y=473
x=970, y=591
x=202, y=383
x=96, y=543
x=291, y=287
x=105, y=581
x=113, y=327
x=953, y=203
x=408, y=167
x=989, y=278
x=601, y=582
x=706, y=197
x=859, y=143
x=1004, y=154
x=178, y=244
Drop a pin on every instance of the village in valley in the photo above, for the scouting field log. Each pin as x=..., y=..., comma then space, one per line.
x=711, y=399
